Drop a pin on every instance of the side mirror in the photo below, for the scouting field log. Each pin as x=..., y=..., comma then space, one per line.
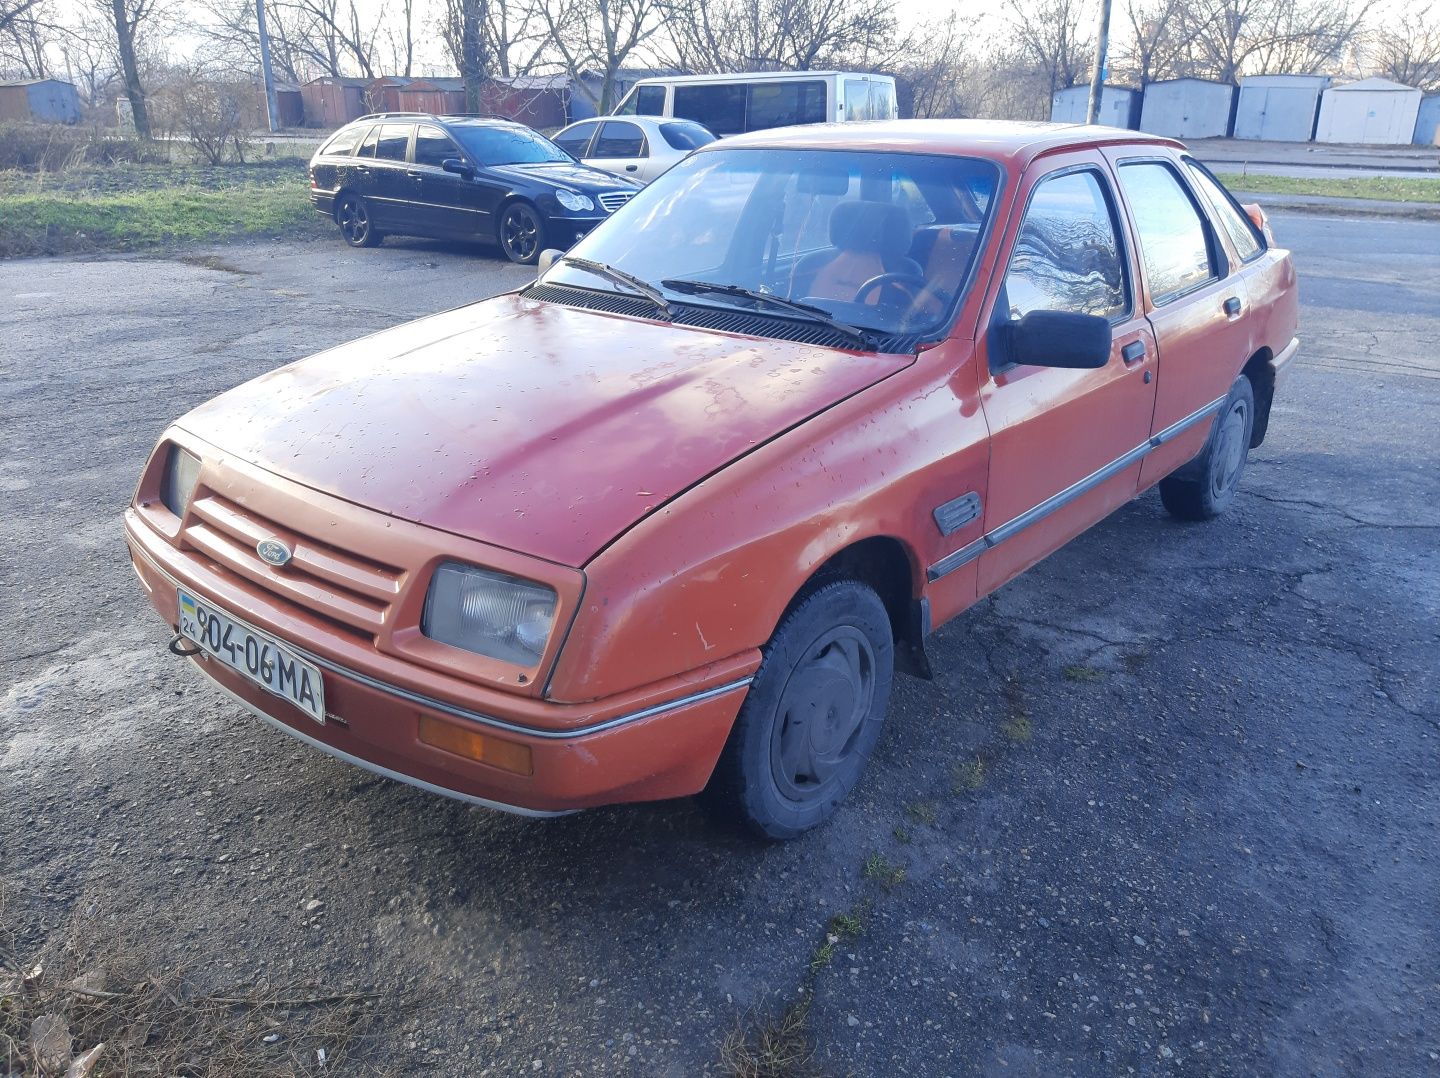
x=547, y=258
x=459, y=167
x=1059, y=339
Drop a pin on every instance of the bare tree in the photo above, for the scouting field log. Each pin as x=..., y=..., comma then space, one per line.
x=130, y=20
x=27, y=30
x=334, y=36
x=1409, y=50
x=1053, y=36
x=796, y=35
x=1231, y=38
x=464, y=30
x=599, y=36
x=1158, y=42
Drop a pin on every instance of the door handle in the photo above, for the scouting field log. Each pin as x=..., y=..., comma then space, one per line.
x=631, y=168
x=414, y=175
x=1232, y=306
x=1133, y=352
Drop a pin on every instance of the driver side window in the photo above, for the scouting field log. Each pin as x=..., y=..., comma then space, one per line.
x=1067, y=256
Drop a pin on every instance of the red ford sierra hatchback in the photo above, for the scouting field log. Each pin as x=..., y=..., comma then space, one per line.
x=668, y=520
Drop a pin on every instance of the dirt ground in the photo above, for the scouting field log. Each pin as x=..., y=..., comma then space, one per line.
x=1169, y=806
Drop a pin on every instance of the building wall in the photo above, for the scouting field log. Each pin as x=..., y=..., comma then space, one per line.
x=1279, y=108
x=1188, y=108
x=332, y=104
x=1427, y=122
x=48, y=101
x=1119, y=107
x=1368, y=117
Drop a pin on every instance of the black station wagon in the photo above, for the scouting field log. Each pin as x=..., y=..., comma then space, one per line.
x=459, y=177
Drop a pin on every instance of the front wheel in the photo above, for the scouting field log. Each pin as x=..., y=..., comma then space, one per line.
x=353, y=217
x=812, y=717
x=1204, y=488
x=522, y=233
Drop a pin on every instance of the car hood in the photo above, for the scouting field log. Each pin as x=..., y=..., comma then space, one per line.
x=541, y=428
x=582, y=177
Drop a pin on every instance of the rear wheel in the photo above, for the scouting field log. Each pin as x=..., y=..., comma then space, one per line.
x=1205, y=487
x=353, y=217
x=522, y=233
x=812, y=717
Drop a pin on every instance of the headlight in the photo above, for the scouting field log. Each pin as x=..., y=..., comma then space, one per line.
x=572, y=201
x=178, y=482
x=489, y=613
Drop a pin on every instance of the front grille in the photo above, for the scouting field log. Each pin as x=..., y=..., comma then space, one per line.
x=613, y=200
x=347, y=590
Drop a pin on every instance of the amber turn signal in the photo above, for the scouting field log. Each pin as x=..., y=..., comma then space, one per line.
x=473, y=745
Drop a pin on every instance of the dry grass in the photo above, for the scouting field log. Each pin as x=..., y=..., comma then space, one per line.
x=149, y=1017
x=774, y=1047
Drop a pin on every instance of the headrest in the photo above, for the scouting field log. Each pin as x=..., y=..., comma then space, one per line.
x=870, y=226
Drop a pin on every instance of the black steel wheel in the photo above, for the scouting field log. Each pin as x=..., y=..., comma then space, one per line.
x=522, y=233
x=1204, y=488
x=812, y=716
x=353, y=217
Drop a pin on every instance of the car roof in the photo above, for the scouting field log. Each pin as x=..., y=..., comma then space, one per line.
x=758, y=76
x=1017, y=141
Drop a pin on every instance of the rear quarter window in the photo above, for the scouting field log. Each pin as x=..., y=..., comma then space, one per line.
x=686, y=136
x=1248, y=242
x=343, y=142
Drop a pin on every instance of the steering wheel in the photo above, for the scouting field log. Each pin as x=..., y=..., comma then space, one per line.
x=912, y=281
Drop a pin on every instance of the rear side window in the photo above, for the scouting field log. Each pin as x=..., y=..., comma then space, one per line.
x=1067, y=256
x=575, y=140
x=394, y=139
x=1232, y=219
x=343, y=142
x=686, y=136
x=619, y=139
x=1173, y=243
x=367, y=148
x=720, y=107
x=433, y=146
x=779, y=104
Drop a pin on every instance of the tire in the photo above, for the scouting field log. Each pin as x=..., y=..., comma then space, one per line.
x=1205, y=488
x=356, y=226
x=812, y=717
x=521, y=233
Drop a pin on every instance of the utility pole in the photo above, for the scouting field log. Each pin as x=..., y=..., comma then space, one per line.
x=272, y=106
x=1097, y=77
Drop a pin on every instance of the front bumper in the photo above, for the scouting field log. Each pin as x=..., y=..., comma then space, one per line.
x=567, y=231
x=658, y=743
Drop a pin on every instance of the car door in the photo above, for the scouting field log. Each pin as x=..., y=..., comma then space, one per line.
x=444, y=205
x=620, y=147
x=1066, y=445
x=1197, y=306
x=391, y=193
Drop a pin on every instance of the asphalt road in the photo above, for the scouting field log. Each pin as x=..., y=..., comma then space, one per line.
x=1168, y=808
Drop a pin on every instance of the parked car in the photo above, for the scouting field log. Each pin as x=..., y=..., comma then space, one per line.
x=732, y=104
x=639, y=149
x=668, y=519
x=458, y=177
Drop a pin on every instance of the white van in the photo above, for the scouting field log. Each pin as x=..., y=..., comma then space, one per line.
x=753, y=101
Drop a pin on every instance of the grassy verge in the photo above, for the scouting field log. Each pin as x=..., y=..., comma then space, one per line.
x=38, y=217
x=1385, y=188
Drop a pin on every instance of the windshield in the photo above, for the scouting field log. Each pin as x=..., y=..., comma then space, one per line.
x=882, y=241
x=507, y=146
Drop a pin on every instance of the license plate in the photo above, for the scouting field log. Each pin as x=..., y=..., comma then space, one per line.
x=258, y=657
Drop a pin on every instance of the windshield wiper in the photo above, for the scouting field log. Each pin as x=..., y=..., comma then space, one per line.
x=620, y=277
x=755, y=295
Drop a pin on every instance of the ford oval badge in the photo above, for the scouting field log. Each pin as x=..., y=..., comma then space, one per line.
x=273, y=552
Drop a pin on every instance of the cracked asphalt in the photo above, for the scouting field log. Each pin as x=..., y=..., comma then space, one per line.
x=1169, y=807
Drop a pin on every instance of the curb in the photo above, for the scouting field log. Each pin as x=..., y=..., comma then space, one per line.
x=1349, y=207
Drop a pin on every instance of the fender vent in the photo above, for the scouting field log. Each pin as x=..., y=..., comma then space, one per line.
x=956, y=513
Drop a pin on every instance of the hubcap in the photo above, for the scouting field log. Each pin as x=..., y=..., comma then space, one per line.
x=522, y=232
x=1230, y=449
x=822, y=713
